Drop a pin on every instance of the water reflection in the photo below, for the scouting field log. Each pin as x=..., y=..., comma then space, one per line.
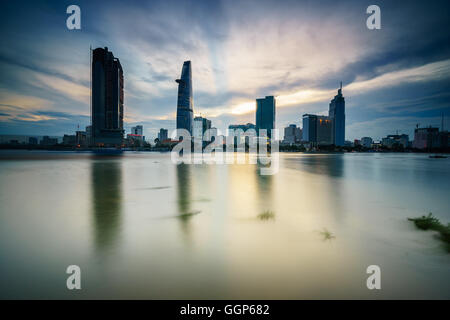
x=224, y=252
x=331, y=165
x=184, y=196
x=264, y=190
x=106, y=186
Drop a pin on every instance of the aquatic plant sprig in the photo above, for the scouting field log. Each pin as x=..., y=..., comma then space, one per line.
x=432, y=223
x=266, y=215
x=327, y=235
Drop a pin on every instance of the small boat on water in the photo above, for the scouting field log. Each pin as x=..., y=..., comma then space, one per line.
x=437, y=156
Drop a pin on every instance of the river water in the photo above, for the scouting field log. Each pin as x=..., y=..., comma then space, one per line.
x=141, y=227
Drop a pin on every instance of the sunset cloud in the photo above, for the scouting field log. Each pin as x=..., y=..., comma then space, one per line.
x=297, y=51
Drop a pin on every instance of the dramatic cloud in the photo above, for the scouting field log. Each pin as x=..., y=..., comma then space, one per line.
x=298, y=51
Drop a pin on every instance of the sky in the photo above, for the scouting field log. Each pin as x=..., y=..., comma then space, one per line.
x=298, y=51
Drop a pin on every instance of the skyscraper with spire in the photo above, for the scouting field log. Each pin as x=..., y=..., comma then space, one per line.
x=185, y=105
x=337, y=113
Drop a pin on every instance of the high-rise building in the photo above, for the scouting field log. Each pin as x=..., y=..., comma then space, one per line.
x=138, y=130
x=81, y=138
x=324, y=131
x=69, y=140
x=265, y=114
x=395, y=139
x=197, y=130
x=289, y=133
x=242, y=132
x=89, y=135
x=200, y=126
x=136, y=137
x=213, y=133
x=32, y=141
x=206, y=135
x=298, y=135
x=366, y=142
x=163, y=134
x=47, y=141
x=106, y=99
x=243, y=127
x=337, y=114
x=317, y=130
x=185, y=104
x=427, y=138
x=309, y=128
x=444, y=139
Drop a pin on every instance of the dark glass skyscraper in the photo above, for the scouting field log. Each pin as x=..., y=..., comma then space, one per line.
x=317, y=130
x=106, y=99
x=265, y=114
x=185, y=105
x=337, y=114
x=309, y=128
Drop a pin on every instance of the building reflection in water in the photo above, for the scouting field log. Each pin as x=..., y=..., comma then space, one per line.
x=106, y=183
x=264, y=190
x=184, y=196
x=331, y=165
x=246, y=192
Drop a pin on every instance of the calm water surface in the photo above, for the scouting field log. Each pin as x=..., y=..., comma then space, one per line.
x=142, y=227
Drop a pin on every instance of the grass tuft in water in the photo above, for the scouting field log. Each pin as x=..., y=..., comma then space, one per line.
x=187, y=215
x=426, y=222
x=432, y=223
x=327, y=235
x=266, y=215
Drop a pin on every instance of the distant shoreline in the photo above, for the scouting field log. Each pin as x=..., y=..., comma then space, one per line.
x=93, y=150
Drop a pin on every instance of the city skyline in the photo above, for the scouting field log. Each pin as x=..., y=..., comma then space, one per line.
x=389, y=84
